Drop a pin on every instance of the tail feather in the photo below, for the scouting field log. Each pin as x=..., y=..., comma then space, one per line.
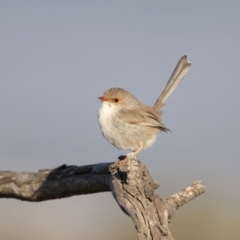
x=178, y=74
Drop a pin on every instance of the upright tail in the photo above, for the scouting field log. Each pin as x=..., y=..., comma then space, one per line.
x=178, y=74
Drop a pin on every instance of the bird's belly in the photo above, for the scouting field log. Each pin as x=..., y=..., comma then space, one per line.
x=124, y=135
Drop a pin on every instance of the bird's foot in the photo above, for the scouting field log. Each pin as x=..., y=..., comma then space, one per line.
x=122, y=161
x=128, y=168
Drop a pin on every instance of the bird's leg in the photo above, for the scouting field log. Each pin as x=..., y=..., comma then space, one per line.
x=139, y=149
x=134, y=153
x=123, y=160
x=128, y=165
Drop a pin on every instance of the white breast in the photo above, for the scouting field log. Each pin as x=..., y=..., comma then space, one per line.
x=105, y=117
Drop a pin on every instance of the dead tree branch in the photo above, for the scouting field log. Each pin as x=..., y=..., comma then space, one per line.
x=130, y=183
x=64, y=181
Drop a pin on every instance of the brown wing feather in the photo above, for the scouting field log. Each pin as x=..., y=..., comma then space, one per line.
x=146, y=118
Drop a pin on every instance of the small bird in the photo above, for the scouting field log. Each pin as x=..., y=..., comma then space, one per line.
x=127, y=123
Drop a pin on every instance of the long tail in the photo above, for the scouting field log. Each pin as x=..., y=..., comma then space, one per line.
x=178, y=74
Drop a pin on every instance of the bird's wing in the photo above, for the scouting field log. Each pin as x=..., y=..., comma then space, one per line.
x=146, y=118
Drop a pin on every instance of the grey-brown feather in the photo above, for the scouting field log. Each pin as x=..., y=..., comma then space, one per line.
x=177, y=76
x=149, y=118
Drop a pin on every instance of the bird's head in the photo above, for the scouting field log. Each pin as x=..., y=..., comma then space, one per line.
x=118, y=98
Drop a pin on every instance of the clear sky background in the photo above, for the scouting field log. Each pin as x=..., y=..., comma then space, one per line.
x=57, y=57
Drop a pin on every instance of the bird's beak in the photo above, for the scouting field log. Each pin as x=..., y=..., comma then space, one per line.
x=103, y=98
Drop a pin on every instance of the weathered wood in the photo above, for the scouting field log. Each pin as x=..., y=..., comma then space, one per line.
x=133, y=189
x=131, y=184
x=61, y=182
x=179, y=199
x=138, y=199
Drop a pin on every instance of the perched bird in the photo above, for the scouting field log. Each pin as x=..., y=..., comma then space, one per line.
x=129, y=124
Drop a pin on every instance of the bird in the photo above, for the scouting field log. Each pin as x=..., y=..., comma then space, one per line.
x=131, y=125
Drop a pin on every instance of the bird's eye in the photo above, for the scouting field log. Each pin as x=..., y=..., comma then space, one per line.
x=116, y=100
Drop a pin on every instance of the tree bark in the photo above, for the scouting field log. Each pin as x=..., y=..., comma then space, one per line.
x=129, y=181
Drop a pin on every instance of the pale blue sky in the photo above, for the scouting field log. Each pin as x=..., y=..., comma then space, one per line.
x=57, y=57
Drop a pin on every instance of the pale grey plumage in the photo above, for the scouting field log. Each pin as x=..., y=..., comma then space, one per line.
x=130, y=125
